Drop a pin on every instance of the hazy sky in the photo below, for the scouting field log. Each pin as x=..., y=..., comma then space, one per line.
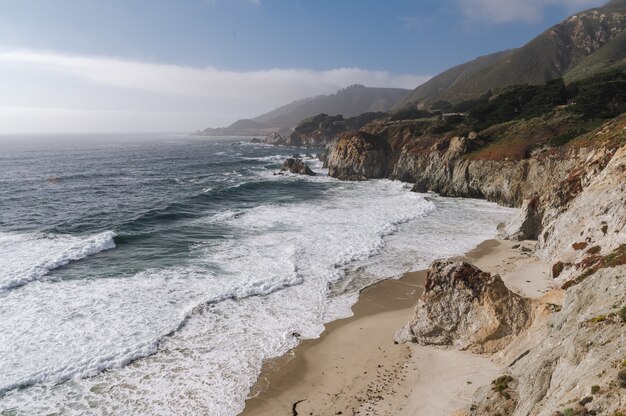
x=166, y=65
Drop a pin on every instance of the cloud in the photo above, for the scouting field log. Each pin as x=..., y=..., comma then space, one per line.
x=51, y=90
x=507, y=11
x=209, y=82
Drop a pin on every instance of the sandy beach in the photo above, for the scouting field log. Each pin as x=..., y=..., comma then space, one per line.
x=356, y=368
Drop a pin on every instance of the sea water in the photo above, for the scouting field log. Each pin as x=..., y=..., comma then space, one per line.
x=154, y=274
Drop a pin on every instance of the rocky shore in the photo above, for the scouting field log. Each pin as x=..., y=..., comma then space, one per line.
x=563, y=353
x=534, y=328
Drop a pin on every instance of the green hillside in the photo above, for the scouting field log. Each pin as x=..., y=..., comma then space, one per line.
x=578, y=40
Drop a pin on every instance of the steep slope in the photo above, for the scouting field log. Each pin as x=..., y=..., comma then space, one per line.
x=439, y=85
x=611, y=56
x=550, y=55
x=349, y=102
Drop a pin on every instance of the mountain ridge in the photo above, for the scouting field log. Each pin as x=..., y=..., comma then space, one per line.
x=550, y=55
x=349, y=102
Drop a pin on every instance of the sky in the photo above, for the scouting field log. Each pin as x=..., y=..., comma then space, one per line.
x=77, y=66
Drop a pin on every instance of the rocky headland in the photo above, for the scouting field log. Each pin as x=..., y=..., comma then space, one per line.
x=563, y=353
x=536, y=327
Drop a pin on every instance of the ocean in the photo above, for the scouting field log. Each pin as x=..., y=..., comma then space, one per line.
x=153, y=274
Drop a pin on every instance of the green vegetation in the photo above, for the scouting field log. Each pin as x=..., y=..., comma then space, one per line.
x=601, y=96
x=598, y=319
x=621, y=377
x=595, y=389
x=501, y=385
x=411, y=113
x=568, y=412
x=622, y=314
x=574, y=49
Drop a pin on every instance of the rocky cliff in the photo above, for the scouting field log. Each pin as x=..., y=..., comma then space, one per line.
x=469, y=167
x=565, y=353
x=359, y=156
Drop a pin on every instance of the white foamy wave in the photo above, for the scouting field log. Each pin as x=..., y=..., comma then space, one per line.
x=282, y=272
x=93, y=364
x=25, y=258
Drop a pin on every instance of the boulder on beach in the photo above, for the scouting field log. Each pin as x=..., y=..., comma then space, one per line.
x=297, y=166
x=466, y=308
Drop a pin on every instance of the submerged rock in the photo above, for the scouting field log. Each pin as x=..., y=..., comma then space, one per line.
x=466, y=308
x=297, y=166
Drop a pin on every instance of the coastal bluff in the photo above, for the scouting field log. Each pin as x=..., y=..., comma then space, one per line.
x=564, y=352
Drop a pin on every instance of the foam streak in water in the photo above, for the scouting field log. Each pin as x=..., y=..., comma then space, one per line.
x=35, y=257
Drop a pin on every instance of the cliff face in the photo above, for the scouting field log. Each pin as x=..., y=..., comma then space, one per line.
x=359, y=156
x=566, y=357
x=570, y=358
x=507, y=182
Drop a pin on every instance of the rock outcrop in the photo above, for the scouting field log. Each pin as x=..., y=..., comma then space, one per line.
x=359, y=156
x=593, y=223
x=570, y=358
x=567, y=357
x=297, y=166
x=275, y=139
x=466, y=308
x=525, y=224
x=444, y=169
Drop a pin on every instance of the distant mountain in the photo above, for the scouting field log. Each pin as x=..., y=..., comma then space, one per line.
x=348, y=102
x=241, y=128
x=581, y=45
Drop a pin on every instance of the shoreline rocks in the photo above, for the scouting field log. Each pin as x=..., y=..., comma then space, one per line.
x=297, y=166
x=359, y=156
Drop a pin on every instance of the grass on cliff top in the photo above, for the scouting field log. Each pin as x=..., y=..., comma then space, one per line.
x=516, y=140
x=611, y=134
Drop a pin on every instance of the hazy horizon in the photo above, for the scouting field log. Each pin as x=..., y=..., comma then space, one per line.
x=75, y=67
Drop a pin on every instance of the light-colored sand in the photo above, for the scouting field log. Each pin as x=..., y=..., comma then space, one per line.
x=355, y=367
x=522, y=272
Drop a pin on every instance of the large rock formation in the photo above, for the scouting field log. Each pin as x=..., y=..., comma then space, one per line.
x=466, y=308
x=359, y=156
x=593, y=223
x=569, y=359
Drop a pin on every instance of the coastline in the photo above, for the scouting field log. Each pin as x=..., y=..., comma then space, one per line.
x=355, y=367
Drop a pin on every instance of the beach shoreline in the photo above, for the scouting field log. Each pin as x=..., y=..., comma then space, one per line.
x=355, y=367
